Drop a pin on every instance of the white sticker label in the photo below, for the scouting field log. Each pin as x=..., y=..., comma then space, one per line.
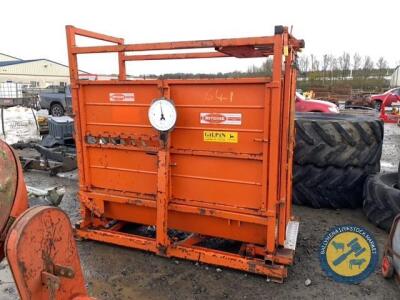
x=122, y=97
x=221, y=118
x=292, y=230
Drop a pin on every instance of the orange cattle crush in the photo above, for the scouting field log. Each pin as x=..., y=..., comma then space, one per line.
x=222, y=171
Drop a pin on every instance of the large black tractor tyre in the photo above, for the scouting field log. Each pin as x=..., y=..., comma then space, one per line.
x=382, y=199
x=338, y=140
x=329, y=187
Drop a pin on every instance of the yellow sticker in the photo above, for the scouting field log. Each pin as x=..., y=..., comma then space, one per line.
x=220, y=136
x=285, y=50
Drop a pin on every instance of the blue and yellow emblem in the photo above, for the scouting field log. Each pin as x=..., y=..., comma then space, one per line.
x=348, y=253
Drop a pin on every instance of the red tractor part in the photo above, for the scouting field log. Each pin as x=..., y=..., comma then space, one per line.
x=13, y=195
x=388, y=116
x=38, y=242
x=387, y=266
x=43, y=257
x=391, y=256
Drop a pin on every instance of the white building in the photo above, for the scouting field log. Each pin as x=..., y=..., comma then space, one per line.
x=395, y=80
x=34, y=72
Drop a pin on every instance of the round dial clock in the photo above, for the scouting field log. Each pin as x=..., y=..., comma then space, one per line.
x=162, y=114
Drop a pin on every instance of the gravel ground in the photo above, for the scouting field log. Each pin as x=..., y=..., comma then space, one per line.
x=118, y=273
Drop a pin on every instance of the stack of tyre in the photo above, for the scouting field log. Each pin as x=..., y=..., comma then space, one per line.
x=334, y=155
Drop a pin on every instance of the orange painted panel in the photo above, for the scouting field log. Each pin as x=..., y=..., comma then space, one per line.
x=207, y=225
x=213, y=172
x=123, y=170
x=119, y=109
x=100, y=93
x=227, y=181
x=247, y=142
x=194, y=102
x=217, y=93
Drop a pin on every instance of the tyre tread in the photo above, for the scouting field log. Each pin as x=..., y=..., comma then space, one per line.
x=381, y=199
x=338, y=141
x=329, y=187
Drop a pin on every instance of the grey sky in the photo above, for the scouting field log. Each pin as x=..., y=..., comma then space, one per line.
x=35, y=29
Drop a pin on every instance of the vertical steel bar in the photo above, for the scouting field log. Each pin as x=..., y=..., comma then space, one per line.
x=292, y=136
x=285, y=129
x=121, y=63
x=273, y=160
x=74, y=77
x=163, y=187
x=83, y=126
x=162, y=239
x=266, y=147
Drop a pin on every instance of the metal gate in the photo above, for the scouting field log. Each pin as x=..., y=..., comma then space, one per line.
x=224, y=170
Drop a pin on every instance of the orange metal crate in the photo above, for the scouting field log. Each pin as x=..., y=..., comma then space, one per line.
x=224, y=170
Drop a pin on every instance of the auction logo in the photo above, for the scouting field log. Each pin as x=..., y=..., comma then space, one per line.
x=348, y=253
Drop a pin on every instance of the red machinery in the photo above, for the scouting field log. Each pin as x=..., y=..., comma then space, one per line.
x=39, y=242
x=13, y=194
x=390, y=111
x=391, y=256
x=43, y=256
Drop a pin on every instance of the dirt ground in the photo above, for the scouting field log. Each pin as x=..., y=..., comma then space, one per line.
x=118, y=273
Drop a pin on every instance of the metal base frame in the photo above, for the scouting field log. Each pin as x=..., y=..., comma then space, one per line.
x=272, y=266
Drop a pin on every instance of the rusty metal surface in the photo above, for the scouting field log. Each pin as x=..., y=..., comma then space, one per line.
x=43, y=256
x=8, y=184
x=13, y=195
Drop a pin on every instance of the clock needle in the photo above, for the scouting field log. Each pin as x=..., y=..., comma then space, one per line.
x=162, y=114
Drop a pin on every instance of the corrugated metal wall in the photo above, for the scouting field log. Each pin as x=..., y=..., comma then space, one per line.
x=41, y=73
x=40, y=67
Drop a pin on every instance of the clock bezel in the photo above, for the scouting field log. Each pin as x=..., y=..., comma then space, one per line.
x=173, y=106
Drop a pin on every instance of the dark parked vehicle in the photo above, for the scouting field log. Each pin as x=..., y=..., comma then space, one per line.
x=56, y=101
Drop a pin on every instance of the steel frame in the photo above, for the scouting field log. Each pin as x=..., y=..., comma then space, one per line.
x=276, y=178
x=187, y=249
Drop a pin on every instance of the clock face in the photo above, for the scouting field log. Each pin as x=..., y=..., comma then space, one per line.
x=162, y=114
